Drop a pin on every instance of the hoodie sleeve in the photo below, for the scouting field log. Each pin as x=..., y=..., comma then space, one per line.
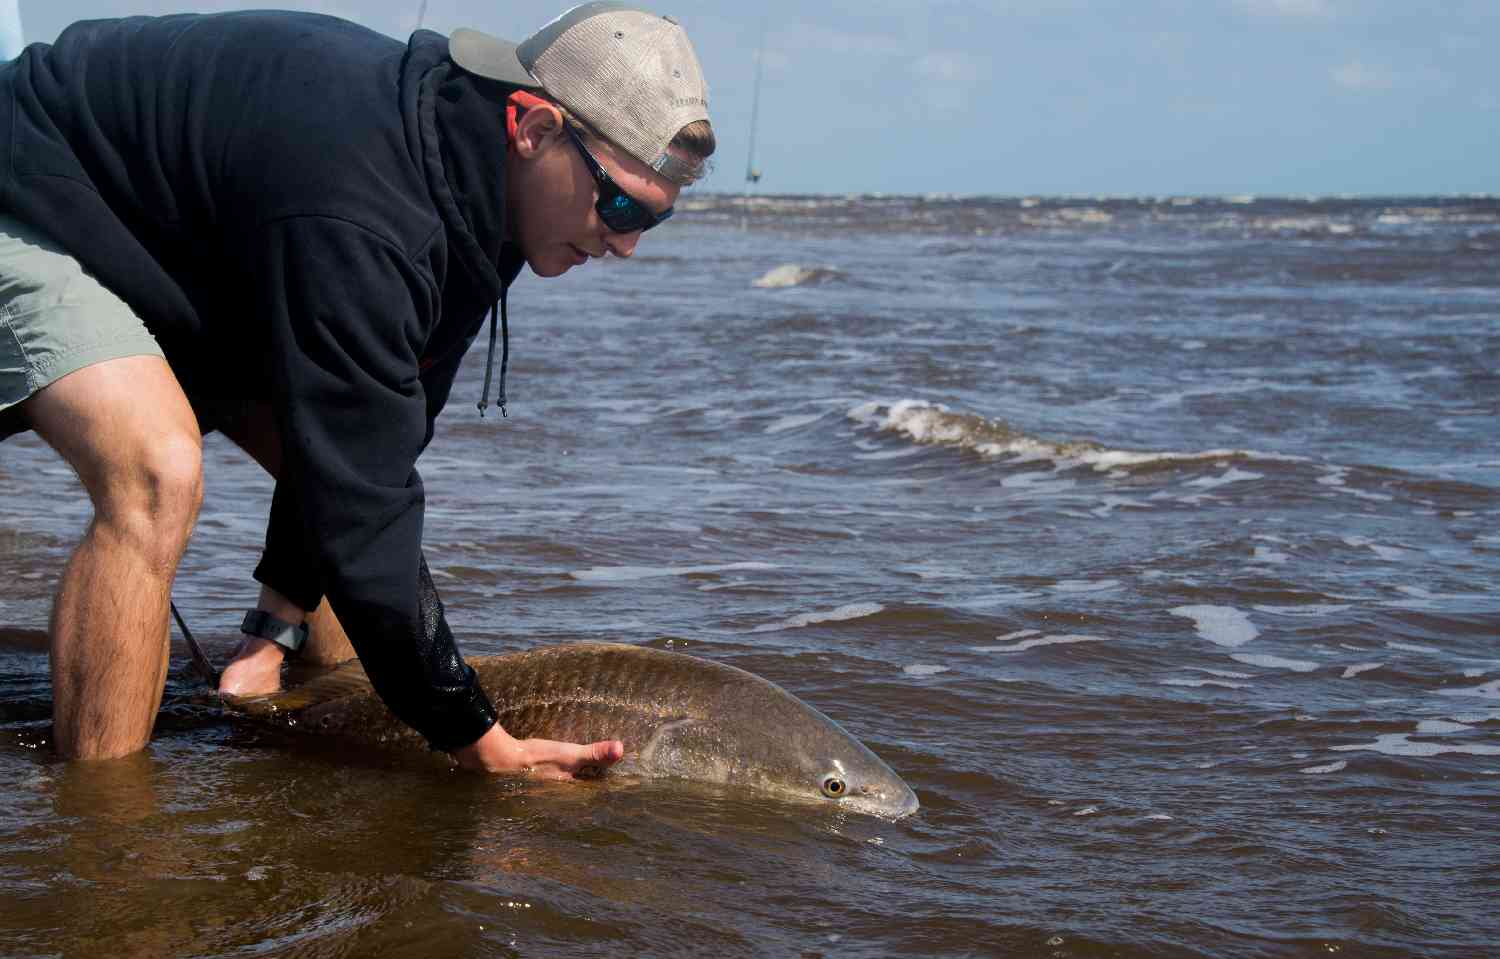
x=348, y=314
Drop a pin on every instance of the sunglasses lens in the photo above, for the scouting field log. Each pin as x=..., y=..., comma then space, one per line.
x=623, y=215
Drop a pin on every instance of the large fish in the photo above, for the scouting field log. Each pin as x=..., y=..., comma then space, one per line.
x=680, y=717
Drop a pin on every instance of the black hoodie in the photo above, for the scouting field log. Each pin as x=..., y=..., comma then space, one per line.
x=304, y=211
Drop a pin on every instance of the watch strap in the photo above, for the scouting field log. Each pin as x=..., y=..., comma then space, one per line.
x=260, y=623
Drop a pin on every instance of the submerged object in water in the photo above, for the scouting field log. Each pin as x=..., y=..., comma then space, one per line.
x=794, y=274
x=679, y=716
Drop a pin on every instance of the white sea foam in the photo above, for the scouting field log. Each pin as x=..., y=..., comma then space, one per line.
x=1366, y=495
x=1034, y=642
x=1019, y=634
x=1273, y=557
x=1201, y=682
x=850, y=611
x=930, y=571
x=1274, y=662
x=1159, y=817
x=1220, y=625
x=1400, y=744
x=792, y=422
x=1388, y=553
x=1437, y=727
x=1333, y=767
x=1489, y=690
x=621, y=574
x=792, y=274
x=1112, y=503
x=1231, y=475
x=1477, y=719
x=923, y=669
x=1412, y=648
x=1221, y=673
x=1351, y=671
x=1084, y=585
x=935, y=424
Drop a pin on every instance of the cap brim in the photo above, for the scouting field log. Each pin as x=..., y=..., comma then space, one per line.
x=487, y=56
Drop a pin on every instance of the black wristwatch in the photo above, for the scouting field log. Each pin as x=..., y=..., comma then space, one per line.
x=260, y=623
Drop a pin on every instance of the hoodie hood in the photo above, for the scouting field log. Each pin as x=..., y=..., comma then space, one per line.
x=461, y=123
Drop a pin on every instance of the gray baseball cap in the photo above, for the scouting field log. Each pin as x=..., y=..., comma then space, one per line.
x=630, y=74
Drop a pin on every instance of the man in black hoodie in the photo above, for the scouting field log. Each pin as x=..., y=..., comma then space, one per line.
x=290, y=228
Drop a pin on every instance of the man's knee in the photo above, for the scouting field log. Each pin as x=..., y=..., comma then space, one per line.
x=155, y=488
x=127, y=429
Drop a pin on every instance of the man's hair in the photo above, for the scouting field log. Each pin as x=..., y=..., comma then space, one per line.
x=696, y=141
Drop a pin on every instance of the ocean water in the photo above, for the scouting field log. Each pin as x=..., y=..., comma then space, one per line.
x=1155, y=542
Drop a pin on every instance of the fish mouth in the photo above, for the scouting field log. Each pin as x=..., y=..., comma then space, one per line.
x=892, y=803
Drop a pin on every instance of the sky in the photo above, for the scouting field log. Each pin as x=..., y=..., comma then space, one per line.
x=1073, y=97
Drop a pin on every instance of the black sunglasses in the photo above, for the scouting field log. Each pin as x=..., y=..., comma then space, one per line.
x=620, y=211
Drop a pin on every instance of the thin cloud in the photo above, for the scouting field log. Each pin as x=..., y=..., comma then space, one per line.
x=1356, y=75
x=946, y=80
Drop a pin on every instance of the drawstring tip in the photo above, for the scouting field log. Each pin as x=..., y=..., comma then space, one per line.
x=503, y=414
x=480, y=406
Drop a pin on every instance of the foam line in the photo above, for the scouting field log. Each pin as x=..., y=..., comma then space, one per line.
x=1038, y=641
x=620, y=574
x=850, y=611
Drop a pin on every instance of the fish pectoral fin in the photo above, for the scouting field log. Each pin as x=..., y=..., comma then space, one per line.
x=661, y=748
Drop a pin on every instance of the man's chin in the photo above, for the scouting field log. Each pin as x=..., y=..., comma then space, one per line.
x=546, y=266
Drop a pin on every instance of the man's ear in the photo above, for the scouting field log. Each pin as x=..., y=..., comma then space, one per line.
x=535, y=128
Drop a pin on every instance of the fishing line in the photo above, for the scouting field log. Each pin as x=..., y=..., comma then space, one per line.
x=200, y=659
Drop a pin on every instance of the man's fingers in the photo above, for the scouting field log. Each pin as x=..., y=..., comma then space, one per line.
x=605, y=751
x=596, y=757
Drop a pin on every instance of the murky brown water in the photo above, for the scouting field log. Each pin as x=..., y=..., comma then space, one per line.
x=1155, y=545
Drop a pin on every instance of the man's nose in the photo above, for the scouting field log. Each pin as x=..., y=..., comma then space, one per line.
x=622, y=244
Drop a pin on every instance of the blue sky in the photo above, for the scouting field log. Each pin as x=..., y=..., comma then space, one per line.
x=1149, y=97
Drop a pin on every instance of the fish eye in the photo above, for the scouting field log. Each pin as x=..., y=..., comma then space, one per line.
x=834, y=787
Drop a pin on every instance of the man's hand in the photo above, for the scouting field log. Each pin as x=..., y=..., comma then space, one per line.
x=255, y=669
x=499, y=752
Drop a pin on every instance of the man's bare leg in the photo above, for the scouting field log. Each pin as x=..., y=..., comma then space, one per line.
x=126, y=428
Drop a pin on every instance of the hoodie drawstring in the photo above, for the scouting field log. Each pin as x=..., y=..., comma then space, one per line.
x=489, y=364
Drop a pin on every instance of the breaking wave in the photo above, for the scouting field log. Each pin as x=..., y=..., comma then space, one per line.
x=933, y=424
x=795, y=274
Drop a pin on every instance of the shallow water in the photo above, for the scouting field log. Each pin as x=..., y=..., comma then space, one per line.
x=1154, y=542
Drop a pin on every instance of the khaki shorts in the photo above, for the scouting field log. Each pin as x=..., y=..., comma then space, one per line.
x=54, y=319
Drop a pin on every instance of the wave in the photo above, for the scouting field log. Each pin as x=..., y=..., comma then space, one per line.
x=933, y=424
x=795, y=274
x=843, y=613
